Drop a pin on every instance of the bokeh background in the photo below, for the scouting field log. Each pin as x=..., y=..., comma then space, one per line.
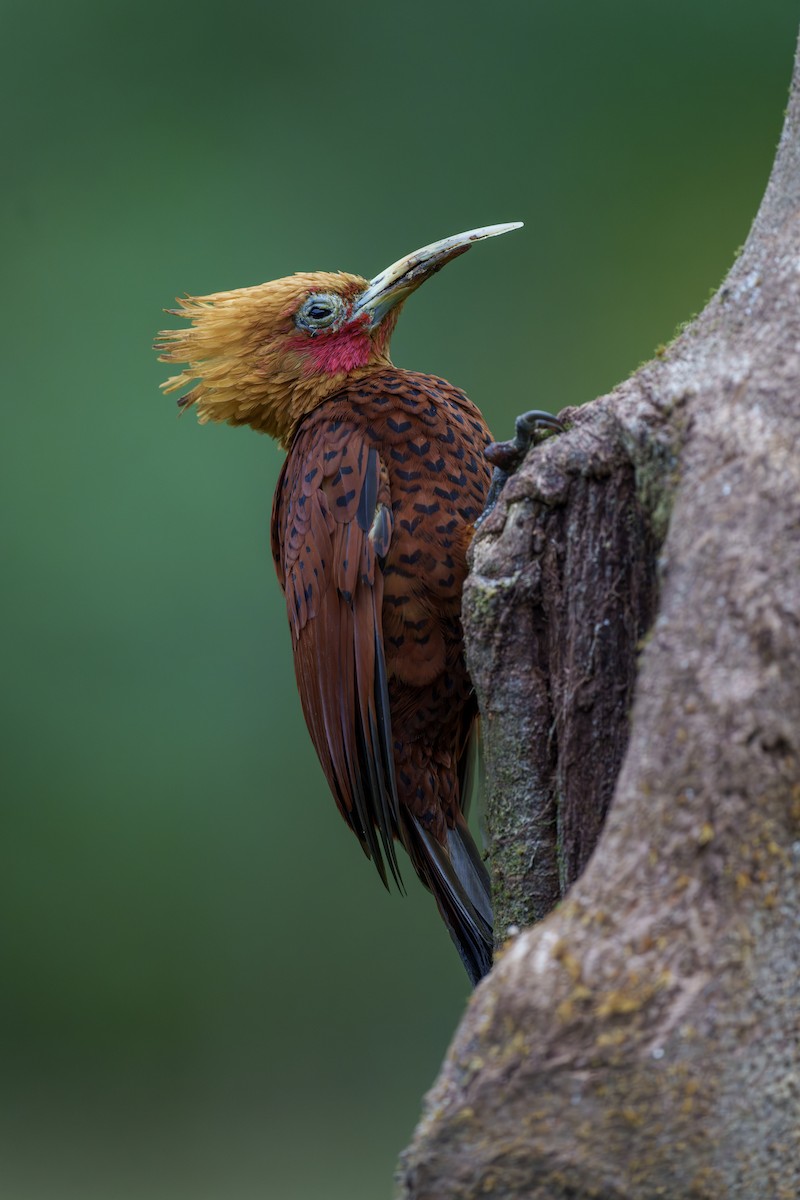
x=205, y=993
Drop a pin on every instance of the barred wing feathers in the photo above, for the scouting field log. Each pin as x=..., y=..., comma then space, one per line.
x=331, y=528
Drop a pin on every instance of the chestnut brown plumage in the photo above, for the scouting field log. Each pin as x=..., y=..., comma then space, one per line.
x=374, y=509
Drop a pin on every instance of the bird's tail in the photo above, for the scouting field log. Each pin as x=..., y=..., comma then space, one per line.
x=459, y=881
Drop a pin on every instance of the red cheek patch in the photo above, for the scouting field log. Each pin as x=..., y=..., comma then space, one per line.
x=334, y=353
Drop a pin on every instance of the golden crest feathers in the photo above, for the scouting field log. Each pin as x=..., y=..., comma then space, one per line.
x=235, y=352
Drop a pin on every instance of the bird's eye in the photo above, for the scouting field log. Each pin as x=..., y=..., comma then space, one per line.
x=319, y=311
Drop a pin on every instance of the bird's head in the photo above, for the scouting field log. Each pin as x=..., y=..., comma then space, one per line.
x=266, y=356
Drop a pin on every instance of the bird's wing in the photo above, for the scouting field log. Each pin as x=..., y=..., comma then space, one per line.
x=331, y=528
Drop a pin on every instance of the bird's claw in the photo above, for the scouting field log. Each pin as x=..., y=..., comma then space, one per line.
x=506, y=457
x=528, y=423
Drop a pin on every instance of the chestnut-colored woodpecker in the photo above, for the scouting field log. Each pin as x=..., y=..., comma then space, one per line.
x=384, y=478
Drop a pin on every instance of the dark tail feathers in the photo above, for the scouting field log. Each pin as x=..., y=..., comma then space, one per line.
x=459, y=881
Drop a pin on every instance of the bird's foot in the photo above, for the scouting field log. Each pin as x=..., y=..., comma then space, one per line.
x=531, y=428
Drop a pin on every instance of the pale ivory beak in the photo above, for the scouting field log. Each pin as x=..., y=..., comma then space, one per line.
x=395, y=283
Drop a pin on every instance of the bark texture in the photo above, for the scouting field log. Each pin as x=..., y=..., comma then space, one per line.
x=633, y=621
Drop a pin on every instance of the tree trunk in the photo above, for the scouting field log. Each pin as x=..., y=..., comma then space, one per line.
x=633, y=625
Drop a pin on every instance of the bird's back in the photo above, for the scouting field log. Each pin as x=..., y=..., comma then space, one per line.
x=373, y=515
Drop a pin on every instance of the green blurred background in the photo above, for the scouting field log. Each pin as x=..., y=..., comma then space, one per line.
x=205, y=992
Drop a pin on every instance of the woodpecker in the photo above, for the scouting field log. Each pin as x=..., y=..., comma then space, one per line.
x=384, y=479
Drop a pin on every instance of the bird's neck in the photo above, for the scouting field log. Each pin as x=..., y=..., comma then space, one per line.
x=308, y=394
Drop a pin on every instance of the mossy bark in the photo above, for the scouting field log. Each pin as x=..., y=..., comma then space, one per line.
x=562, y=591
x=633, y=623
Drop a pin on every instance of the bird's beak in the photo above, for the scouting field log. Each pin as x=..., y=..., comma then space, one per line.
x=398, y=281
